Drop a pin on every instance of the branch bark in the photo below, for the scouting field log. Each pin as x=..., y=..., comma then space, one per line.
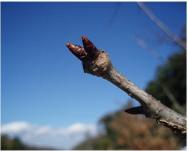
x=98, y=63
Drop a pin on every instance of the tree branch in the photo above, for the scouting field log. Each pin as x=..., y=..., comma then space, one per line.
x=98, y=63
x=161, y=25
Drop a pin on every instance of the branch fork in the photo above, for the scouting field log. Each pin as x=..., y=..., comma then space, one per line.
x=98, y=63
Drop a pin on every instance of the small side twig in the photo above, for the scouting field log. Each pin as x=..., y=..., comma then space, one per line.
x=98, y=63
x=136, y=110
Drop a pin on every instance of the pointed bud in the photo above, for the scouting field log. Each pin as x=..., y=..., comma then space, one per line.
x=89, y=47
x=78, y=51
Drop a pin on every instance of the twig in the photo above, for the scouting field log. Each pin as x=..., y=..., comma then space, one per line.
x=136, y=110
x=161, y=25
x=98, y=63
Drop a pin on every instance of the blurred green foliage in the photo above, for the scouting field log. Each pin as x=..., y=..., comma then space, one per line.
x=171, y=78
x=8, y=143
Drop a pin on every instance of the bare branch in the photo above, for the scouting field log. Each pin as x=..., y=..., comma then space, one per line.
x=98, y=63
x=161, y=25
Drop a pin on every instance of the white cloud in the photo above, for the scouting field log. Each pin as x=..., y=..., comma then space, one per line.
x=62, y=138
x=15, y=127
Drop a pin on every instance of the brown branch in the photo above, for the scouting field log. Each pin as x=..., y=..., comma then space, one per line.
x=98, y=63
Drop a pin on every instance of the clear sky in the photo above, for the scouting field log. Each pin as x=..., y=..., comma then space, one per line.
x=43, y=83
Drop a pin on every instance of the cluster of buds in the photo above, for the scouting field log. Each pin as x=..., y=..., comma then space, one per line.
x=94, y=61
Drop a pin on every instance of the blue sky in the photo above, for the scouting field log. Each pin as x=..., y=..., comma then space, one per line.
x=43, y=83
